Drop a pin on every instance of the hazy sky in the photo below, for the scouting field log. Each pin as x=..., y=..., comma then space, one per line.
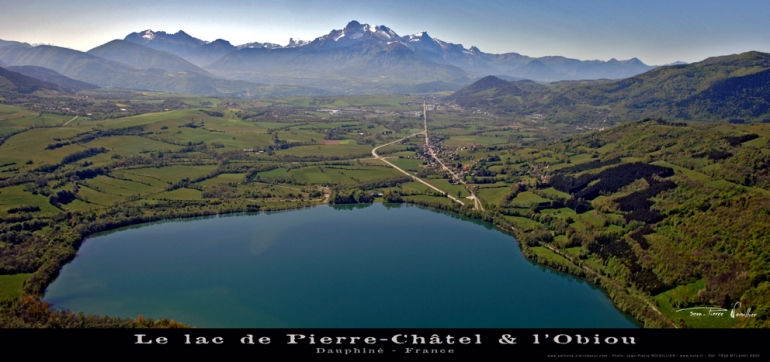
x=657, y=32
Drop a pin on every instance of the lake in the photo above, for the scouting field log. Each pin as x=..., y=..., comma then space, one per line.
x=378, y=266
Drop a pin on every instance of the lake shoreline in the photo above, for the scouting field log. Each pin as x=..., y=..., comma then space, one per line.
x=426, y=232
x=45, y=276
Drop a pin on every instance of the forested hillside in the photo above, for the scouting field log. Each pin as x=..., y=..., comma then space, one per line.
x=721, y=89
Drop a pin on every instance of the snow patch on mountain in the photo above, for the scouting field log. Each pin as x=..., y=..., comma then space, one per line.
x=417, y=37
x=297, y=43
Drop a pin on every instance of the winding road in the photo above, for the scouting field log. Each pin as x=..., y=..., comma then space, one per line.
x=376, y=156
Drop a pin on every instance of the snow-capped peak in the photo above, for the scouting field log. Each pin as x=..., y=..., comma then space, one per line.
x=354, y=32
x=418, y=36
x=297, y=43
x=258, y=45
x=385, y=32
x=148, y=35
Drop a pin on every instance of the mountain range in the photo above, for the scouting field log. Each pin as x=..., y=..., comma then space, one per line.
x=361, y=54
x=192, y=49
x=359, y=58
x=123, y=73
x=734, y=87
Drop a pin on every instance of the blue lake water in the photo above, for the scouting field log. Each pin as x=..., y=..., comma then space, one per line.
x=378, y=266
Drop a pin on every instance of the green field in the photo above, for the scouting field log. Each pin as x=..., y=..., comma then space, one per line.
x=131, y=144
x=341, y=175
x=147, y=180
x=494, y=195
x=756, y=143
x=555, y=194
x=31, y=145
x=550, y=255
x=319, y=175
x=365, y=174
x=16, y=195
x=79, y=205
x=527, y=198
x=114, y=186
x=171, y=174
x=407, y=164
x=97, y=197
x=451, y=189
x=524, y=223
x=562, y=213
x=11, y=285
x=340, y=150
x=414, y=186
x=580, y=158
x=8, y=113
